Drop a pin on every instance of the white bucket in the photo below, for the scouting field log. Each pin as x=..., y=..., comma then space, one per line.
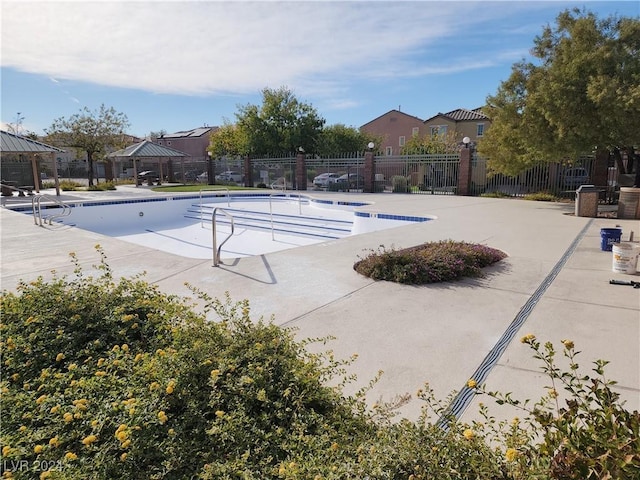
x=625, y=257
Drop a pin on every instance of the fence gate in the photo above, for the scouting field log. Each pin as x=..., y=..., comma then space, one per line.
x=424, y=174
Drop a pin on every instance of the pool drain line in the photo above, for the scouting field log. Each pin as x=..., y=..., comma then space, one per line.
x=466, y=394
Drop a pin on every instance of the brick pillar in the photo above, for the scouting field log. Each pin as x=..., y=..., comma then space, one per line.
x=369, y=172
x=600, y=170
x=301, y=171
x=464, y=171
x=248, y=173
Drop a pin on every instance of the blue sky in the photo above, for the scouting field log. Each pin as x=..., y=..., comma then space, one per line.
x=179, y=65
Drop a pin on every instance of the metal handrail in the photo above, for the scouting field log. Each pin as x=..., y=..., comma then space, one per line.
x=36, y=207
x=216, y=252
x=212, y=190
x=271, y=209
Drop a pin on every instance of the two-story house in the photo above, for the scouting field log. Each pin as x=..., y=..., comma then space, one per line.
x=396, y=128
x=465, y=123
x=194, y=142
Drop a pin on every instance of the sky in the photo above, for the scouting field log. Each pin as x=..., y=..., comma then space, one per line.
x=179, y=65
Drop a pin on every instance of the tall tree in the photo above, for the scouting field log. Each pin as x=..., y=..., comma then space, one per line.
x=92, y=132
x=282, y=124
x=339, y=138
x=583, y=93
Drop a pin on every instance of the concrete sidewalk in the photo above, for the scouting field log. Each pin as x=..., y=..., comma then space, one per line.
x=437, y=333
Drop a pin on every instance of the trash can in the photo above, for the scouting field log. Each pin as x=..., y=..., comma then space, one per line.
x=587, y=201
x=609, y=236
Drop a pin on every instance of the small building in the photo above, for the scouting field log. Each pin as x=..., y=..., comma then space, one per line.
x=395, y=128
x=465, y=123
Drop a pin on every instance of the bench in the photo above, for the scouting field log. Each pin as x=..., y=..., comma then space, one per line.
x=27, y=188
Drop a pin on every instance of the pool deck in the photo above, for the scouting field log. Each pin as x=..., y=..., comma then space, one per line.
x=554, y=284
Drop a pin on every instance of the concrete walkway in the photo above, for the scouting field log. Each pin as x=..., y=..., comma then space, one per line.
x=554, y=284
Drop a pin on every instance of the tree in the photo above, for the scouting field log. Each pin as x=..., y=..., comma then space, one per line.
x=432, y=144
x=229, y=139
x=93, y=132
x=281, y=125
x=339, y=138
x=582, y=94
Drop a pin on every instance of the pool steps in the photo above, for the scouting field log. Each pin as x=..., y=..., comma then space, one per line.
x=304, y=225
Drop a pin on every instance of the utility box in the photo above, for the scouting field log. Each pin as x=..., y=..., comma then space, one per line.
x=587, y=201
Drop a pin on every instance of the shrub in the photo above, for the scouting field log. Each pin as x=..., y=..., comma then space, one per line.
x=589, y=435
x=541, y=197
x=70, y=185
x=102, y=186
x=427, y=263
x=399, y=184
x=496, y=194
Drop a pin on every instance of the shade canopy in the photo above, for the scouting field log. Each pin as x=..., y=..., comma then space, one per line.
x=147, y=149
x=10, y=143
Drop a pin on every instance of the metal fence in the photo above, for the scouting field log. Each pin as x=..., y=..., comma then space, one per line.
x=422, y=174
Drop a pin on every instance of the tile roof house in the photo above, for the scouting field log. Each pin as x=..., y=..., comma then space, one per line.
x=466, y=123
x=396, y=128
x=193, y=142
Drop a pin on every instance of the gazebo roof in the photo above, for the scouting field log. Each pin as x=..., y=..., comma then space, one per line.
x=12, y=143
x=148, y=149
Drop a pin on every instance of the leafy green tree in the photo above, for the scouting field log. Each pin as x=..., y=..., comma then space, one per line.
x=281, y=125
x=582, y=93
x=339, y=138
x=434, y=144
x=229, y=139
x=93, y=132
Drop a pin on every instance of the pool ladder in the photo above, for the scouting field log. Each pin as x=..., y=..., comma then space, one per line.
x=36, y=207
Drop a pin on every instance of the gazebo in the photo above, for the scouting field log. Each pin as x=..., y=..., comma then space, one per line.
x=149, y=150
x=11, y=143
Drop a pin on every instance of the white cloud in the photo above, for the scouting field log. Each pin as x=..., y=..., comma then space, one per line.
x=199, y=48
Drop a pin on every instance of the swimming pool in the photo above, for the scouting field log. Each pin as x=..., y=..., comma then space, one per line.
x=263, y=223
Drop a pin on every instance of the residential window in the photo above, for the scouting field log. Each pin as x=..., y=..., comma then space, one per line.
x=415, y=132
x=389, y=151
x=437, y=130
x=401, y=141
x=480, y=131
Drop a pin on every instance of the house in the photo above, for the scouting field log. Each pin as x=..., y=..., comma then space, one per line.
x=193, y=142
x=465, y=123
x=396, y=128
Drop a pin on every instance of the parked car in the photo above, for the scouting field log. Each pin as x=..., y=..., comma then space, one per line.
x=572, y=178
x=189, y=175
x=203, y=178
x=324, y=179
x=355, y=180
x=229, y=176
x=148, y=175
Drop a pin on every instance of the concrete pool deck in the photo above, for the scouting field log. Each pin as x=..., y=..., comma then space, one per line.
x=554, y=284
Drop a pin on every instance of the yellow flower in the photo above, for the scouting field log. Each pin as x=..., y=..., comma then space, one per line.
x=94, y=423
x=45, y=474
x=468, y=434
x=22, y=428
x=70, y=456
x=6, y=450
x=170, y=387
x=125, y=347
x=59, y=357
x=471, y=383
x=568, y=344
x=553, y=393
x=89, y=440
x=160, y=352
x=162, y=417
x=154, y=386
x=528, y=338
x=125, y=444
x=123, y=457
x=54, y=442
x=122, y=435
x=41, y=399
x=68, y=417
x=215, y=373
x=171, y=431
x=219, y=413
x=334, y=446
x=511, y=454
x=72, y=366
x=138, y=357
x=100, y=362
x=100, y=373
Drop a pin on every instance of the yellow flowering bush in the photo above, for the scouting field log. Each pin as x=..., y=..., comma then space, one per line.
x=218, y=395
